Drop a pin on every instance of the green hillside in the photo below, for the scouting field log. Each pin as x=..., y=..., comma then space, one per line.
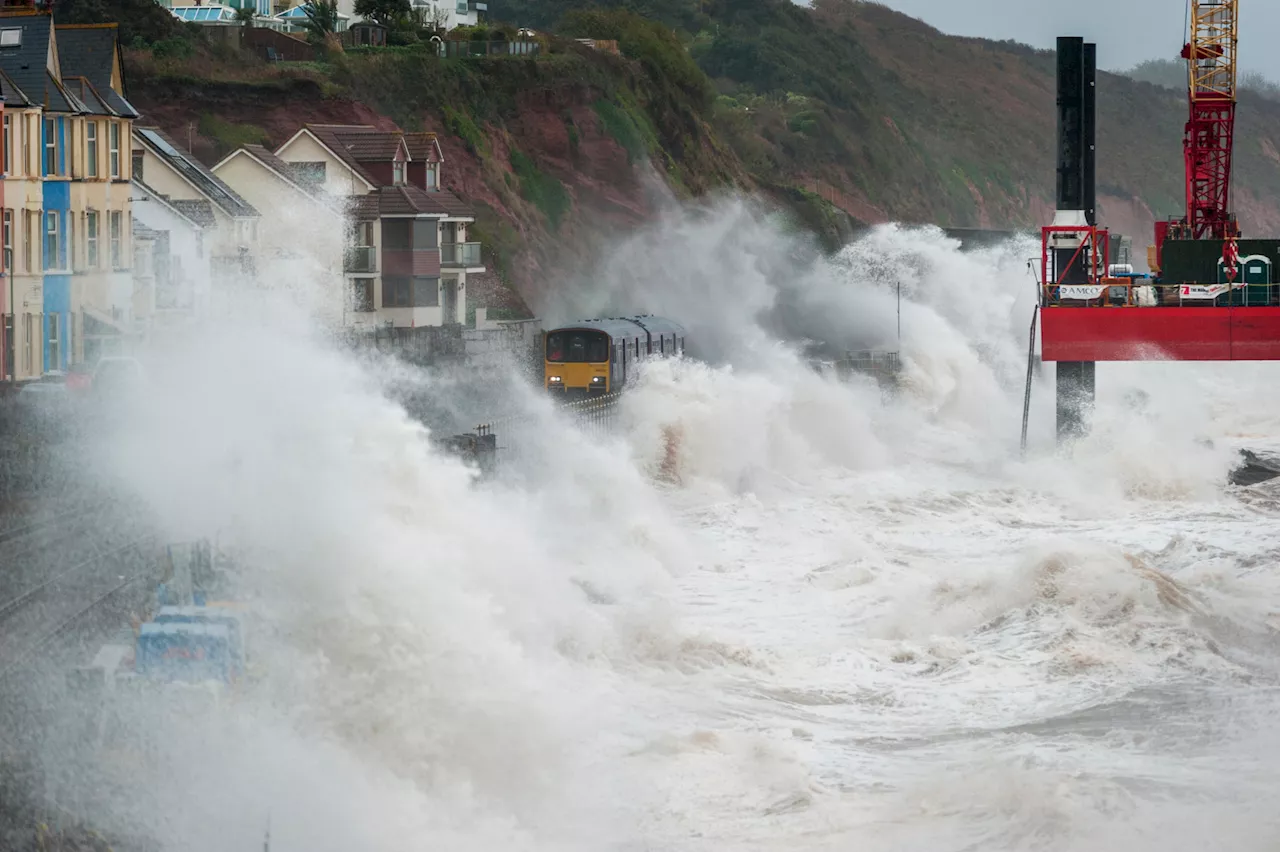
x=847, y=100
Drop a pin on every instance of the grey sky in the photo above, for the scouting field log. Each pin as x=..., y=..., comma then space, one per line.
x=1127, y=31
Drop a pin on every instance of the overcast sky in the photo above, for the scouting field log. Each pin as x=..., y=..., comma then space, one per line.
x=1126, y=31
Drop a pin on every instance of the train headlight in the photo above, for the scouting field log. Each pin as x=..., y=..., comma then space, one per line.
x=555, y=380
x=595, y=380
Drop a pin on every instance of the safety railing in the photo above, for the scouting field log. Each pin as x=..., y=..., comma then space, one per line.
x=459, y=254
x=501, y=437
x=1143, y=293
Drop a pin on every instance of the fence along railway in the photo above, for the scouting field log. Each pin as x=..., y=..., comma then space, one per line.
x=497, y=441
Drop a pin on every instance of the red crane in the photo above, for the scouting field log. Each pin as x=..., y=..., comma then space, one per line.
x=1210, y=130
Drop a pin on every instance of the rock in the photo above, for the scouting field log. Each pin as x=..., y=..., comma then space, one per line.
x=1254, y=468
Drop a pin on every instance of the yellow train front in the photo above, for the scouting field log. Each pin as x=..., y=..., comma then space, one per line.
x=596, y=357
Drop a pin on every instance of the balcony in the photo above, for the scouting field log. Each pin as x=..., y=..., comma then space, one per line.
x=360, y=259
x=460, y=254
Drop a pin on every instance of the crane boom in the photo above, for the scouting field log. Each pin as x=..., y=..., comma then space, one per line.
x=1210, y=130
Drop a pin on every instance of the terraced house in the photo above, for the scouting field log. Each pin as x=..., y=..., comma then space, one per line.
x=66, y=214
x=406, y=256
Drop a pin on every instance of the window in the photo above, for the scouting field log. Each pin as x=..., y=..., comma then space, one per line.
x=419, y=292
x=309, y=173
x=55, y=356
x=117, y=226
x=72, y=249
x=52, y=253
x=362, y=295
x=27, y=249
x=26, y=144
x=91, y=239
x=462, y=7
x=362, y=234
x=8, y=241
x=50, y=146
x=431, y=176
x=11, y=37
x=397, y=173
x=410, y=234
x=578, y=346
x=8, y=142
x=91, y=149
x=114, y=148
x=29, y=327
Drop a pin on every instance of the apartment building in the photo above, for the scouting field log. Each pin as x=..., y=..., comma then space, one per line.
x=66, y=222
x=405, y=256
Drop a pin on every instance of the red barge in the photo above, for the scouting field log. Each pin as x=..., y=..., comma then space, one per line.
x=1210, y=295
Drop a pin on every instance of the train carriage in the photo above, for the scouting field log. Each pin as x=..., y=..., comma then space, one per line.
x=599, y=356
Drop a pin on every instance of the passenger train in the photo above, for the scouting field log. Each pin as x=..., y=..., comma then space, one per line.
x=599, y=356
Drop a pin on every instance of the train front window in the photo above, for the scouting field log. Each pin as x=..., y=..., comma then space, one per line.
x=578, y=347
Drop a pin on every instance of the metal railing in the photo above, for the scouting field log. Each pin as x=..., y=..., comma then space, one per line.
x=501, y=438
x=464, y=49
x=360, y=259
x=1143, y=293
x=459, y=254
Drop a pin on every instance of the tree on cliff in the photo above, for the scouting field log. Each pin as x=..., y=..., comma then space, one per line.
x=385, y=12
x=321, y=19
x=144, y=20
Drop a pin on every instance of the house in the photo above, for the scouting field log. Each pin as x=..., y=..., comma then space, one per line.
x=447, y=14
x=99, y=231
x=172, y=270
x=304, y=228
x=406, y=256
x=66, y=215
x=177, y=181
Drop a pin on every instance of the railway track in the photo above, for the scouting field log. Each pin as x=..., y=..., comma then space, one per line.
x=33, y=621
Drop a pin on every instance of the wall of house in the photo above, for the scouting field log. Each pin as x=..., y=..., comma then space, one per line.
x=224, y=240
x=57, y=273
x=410, y=317
x=292, y=225
x=189, y=267
x=24, y=199
x=160, y=176
x=418, y=174
x=301, y=242
x=338, y=179
x=104, y=282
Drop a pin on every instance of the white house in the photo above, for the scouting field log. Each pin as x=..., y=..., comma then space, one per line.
x=174, y=282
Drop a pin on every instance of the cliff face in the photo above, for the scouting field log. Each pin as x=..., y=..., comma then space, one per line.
x=847, y=101
x=557, y=154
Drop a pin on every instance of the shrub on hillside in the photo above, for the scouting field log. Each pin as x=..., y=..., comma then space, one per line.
x=143, y=20
x=654, y=45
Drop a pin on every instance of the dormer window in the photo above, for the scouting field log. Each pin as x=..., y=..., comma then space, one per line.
x=433, y=176
x=397, y=172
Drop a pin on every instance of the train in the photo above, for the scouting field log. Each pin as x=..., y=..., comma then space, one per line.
x=599, y=356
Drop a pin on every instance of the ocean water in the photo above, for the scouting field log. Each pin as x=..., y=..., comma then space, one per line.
x=833, y=619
